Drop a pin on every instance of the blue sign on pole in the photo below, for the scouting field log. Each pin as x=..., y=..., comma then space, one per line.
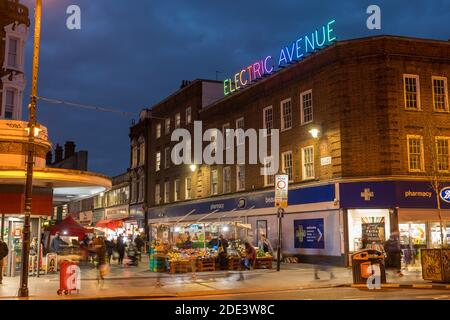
x=309, y=234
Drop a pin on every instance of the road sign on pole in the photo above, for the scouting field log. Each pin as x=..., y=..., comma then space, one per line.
x=281, y=202
x=281, y=190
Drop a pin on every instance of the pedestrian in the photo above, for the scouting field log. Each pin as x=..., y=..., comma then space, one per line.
x=323, y=266
x=120, y=248
x=139, y=243
x=222, y=248
x=394, y=253
x=109, y=249
x=250, y=256
x=99, y=248
x=3, y=253
x=57, y=244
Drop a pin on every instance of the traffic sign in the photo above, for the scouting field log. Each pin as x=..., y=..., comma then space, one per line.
x=281, y=190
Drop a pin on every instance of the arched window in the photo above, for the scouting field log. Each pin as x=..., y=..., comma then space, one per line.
x=134, y=154
x=142, y=150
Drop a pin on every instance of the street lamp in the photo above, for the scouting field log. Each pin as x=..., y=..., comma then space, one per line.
x=314, y=132
x=193, y=167
x=32, y=126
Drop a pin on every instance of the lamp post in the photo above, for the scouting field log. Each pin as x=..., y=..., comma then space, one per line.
x=32, y=126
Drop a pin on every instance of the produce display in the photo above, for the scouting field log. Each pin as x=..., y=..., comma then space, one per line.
x=262, y=254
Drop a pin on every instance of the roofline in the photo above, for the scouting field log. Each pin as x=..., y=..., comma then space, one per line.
x=194, y=82
x=313, y=55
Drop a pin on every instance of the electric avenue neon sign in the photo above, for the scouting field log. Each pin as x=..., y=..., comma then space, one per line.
x=297, y=50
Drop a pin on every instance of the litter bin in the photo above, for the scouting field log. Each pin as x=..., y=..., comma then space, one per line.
x=362, y=262
x=69, y=278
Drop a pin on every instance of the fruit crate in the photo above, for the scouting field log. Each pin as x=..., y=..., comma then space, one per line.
x=263, y=263
x=204, y=265
x=179, y=266
x=234, y=263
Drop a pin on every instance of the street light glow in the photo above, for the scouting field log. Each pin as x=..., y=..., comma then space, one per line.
x=314, y=132
x=193, y=167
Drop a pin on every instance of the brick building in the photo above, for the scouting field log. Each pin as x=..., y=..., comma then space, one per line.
x=362, y=122
x=14, y=25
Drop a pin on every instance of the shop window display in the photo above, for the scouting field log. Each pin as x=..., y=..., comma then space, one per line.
x=368, y=228
x=413, y=237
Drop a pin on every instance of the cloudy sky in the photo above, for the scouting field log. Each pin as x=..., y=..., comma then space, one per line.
x=130, y=54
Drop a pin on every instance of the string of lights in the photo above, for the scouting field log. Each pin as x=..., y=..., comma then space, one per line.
x=86, y=106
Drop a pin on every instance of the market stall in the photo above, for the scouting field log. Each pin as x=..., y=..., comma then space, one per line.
x=197, y=247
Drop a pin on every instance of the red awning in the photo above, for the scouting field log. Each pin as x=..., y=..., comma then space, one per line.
x=69, y=227
x=110, y=224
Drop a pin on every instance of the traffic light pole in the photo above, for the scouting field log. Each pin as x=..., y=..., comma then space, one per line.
x=23, y=289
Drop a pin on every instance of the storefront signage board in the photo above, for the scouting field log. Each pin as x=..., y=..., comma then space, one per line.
x=309, y=234
x=257, y=200
x=389, y=194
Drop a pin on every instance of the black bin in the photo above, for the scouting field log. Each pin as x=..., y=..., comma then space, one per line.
x=362, y=260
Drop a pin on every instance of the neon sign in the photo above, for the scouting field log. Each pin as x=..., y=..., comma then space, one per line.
x=295, y=51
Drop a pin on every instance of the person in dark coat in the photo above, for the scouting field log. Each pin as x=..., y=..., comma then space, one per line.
x=3, y=253
x=109, y=249
x=120, y=248
x=394, y=253
x=139, y=243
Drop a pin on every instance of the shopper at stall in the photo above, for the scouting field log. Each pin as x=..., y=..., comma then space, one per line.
x=3, y=253
x=250, y=256
x=57, y=244
x=139, y=243
x=264, y=244
x=393, y=253
x=222, y=245
x=188, y=244
x=121, y=248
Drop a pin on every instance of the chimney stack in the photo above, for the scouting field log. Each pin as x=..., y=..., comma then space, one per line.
x=185, y=83
x=58, y=153
x=49, y=158
x=69, y=149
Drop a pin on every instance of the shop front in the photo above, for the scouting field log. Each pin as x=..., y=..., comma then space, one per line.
x=12, y=222
x=116, y=223
x=376, y=209
x=136, y=219
x=311, y=226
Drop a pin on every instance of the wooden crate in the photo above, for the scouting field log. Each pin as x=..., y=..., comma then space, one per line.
x=204, y=265
x=263, y=263
x=234, y=263
x=179, y=266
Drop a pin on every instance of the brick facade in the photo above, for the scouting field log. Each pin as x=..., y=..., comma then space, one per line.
x=358, y=104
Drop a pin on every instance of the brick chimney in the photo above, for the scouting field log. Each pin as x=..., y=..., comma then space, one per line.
x=185, y=83
x=49, y=158
x=69, y=149
x=58, y=153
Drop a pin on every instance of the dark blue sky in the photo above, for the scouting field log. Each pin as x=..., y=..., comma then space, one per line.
x=130, y=54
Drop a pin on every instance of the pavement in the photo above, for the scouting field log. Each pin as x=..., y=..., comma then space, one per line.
x=140, y=283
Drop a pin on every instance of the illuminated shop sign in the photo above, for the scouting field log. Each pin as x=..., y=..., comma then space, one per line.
x=295, y=51
x=445, y=194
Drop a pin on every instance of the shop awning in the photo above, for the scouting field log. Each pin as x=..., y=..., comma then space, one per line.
x=69, y=227
x=110, y=224
x=204, y=217
x=185, y=216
